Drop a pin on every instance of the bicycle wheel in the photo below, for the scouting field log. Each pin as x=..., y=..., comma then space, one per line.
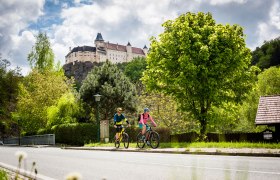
x=154, y=140
x=140, y=141
x=117, y=143
x=125, y=140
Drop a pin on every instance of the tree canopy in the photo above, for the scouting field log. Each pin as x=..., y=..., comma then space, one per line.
x=41, y=57
x=267, y=55
x=115, y=88
x=38, y=91
x=199, y=63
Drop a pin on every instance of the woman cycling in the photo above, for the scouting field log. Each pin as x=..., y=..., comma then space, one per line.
x=143, y=121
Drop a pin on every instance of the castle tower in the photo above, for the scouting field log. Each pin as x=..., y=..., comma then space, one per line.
x=145, y=49
x=99, y=42
x=129, y=52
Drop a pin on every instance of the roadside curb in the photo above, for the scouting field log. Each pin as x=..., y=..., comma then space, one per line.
x=194, y=151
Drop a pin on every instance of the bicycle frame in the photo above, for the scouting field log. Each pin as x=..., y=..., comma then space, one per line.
x=120, y=134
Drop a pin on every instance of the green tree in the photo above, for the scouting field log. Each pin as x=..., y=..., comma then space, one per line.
x=269, y=81
x=268, y=84
x=113, y=85
x=64, y=112
x=41, y=57
x=134, y=70
x=200, y=63
x=267, y=55
x=38, y=91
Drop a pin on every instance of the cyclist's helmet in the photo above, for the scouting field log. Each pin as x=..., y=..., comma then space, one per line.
x=146, y=110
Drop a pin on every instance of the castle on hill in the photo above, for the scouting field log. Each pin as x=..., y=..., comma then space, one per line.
x=102, y=51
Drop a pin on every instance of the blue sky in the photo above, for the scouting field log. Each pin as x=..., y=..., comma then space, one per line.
x=76, y=23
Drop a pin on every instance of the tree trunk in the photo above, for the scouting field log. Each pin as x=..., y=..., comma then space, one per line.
x=203, y=125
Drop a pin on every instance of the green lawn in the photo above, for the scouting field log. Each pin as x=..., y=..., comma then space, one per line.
x=201, y=145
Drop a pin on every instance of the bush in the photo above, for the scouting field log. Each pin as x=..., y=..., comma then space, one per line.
x=75, y=134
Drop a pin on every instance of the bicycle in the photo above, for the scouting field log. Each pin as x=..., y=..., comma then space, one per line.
x=152, y=139
x=123, y=137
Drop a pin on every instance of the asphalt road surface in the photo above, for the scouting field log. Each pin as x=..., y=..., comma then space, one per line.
x=56, y=163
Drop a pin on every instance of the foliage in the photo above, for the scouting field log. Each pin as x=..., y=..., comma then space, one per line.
x=268, y=84
x=9, y=80
x=200, y=63
x=3, y=175
x=75, y=134
x=64, y=111
x=39, y=91
x=224, y=119
x=267, y=55
x=135, y=68
x=165, y=113
x=41, y=57
x=269, y=81
x=113, y=85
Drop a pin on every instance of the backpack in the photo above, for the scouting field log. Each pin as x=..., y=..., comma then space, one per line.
x=139, y=116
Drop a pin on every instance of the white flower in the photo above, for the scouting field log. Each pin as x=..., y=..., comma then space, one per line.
x=21, y=155
x=74, y=176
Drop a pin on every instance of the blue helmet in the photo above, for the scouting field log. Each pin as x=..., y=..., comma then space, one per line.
x=146, y=110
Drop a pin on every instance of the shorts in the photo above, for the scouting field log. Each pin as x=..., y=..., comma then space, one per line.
x=119, y=128
x=141, y=126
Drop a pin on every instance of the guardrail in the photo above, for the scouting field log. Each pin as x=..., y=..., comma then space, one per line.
x=45, y=139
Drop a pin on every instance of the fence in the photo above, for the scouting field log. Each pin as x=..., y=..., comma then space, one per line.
x=45, y=139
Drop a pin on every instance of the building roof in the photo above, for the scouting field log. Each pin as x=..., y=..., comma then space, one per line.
x=268, y=110
x=115, y=47
x=118, y=47
x=137, y=51
x=99, y=37
x=82, y=48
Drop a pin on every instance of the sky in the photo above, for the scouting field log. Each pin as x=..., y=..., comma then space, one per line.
x=76, y=22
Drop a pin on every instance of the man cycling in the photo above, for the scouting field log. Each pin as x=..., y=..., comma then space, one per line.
x=118, y=119
x=143, y=122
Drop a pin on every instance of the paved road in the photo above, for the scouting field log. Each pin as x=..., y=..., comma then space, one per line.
x=110, y=165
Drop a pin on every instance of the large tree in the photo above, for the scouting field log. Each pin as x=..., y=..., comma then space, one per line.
x=41, y=57
x=41, y=88
x=38, y=91
x=199, y=63
x=115, y=88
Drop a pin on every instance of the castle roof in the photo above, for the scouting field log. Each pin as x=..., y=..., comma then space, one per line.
x=99, y=37
x=115, y=47
x=118, y=47
x=82, y=48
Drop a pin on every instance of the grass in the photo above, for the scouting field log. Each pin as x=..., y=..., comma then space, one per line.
x=3, y=175
x=200, y=145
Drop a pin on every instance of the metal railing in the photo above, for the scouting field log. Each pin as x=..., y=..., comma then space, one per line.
x=45, y=139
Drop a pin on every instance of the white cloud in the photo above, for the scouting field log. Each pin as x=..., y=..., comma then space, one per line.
x=15, y=42
x=269, y=30
x=220, y=2
x=121, y=21
x=275, y=15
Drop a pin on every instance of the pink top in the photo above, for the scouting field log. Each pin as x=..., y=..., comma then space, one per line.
x=145, y=118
